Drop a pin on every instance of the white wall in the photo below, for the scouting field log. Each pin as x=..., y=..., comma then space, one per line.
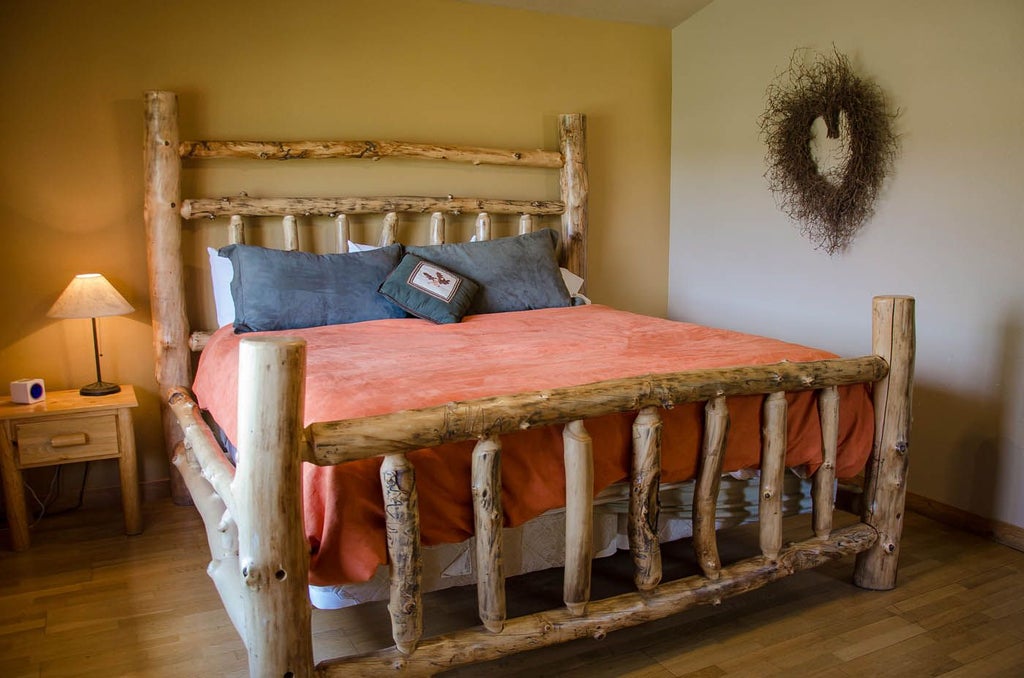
x=949, y=226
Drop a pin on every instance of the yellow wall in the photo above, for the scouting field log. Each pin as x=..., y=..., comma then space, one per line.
x=73, y=74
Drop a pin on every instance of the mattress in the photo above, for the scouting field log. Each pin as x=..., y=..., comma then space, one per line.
x=381, y=366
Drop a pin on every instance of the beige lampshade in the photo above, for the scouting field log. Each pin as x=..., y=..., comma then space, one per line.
x=89, y=295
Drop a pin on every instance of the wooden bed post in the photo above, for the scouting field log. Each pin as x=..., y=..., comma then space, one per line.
x=572, y=140
x=163, y=254
x=272, y=548
x=644, y=505
x=885, y=485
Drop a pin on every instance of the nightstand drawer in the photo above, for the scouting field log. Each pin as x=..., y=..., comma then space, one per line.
x=42, y=442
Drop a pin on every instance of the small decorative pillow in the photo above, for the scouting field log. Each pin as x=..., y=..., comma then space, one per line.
x=429, y=291
x=281, y=290
x=518, y=273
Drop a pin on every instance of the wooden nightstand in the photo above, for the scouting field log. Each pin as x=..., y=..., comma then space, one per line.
x=65, y=428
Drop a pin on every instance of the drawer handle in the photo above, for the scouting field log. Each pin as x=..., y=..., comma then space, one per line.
x=68, y=440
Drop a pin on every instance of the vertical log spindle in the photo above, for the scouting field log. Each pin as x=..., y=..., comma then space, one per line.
x=525, y=224
x=483, y=226
x=437, y=228
x=575, y=187
x=705, y=493
x=344, y=232
x=272, y=548
x=824, y=482
x=236, y=230
x=579, y=515
x=389, y=230
x=402, y=525
x=643, y=499
x=488, y=518
x=885, y=486
x=291, y=233
x=773, y=470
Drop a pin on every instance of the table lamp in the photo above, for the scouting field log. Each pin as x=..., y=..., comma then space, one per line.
x=90, y=295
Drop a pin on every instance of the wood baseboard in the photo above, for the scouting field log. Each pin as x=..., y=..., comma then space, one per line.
x=997, y=530
x=849, y=498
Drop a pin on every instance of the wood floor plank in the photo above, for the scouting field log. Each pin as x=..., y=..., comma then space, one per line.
x=88, y=601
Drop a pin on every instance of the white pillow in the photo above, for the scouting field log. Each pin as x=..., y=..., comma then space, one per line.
x=360, y=247
x=573, y=282
x=221, y=274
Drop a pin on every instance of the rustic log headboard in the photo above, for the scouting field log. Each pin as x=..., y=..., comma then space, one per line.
x=165, y=209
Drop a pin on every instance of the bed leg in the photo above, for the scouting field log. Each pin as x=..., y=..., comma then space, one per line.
x=705, y=491
x=773, y=474
x=579, y=516
x=643, y=499
x=488, y=518
x=885, y=485
x=273, y=551
x=824, y=482
x=402, y=525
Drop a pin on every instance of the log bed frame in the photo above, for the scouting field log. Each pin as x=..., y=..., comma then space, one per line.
x=259, y=555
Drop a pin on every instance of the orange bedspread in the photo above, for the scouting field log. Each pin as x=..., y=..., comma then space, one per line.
x=387, y=365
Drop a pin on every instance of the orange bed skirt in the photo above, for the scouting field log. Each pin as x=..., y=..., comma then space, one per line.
x=384, y=366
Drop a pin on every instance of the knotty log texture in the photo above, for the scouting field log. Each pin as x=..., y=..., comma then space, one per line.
x=291, y=233
x=575, y=187
x=823, y=484
x=198, y=208
x=272, y=547
x=488, y=518
x=543, y=629
x=483, y=226
x=221, y=535
x=402, y=525
x=389, y=230
x=201, y=444
x=525, y=224
x=643, y=499
x=885, y=487
x=197, y=340
x=236, y=230
x=344, y=232
x=579, y=515
x=705, y=493
x=292, y=150
x=437, y=228
x=773, y=470
x=163, y=255
x=335, y=442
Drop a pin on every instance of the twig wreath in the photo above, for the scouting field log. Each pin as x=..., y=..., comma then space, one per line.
x=830, y=205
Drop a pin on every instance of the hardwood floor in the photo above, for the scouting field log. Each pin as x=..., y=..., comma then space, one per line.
x=86, y=600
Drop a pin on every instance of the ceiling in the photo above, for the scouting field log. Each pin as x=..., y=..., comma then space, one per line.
x=664, y=13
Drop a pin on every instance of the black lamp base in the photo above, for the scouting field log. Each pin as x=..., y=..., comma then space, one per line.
x=99, y=388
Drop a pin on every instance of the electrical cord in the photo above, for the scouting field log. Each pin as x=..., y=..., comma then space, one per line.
x=54, y=493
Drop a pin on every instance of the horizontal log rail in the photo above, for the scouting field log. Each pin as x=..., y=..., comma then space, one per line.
x=217, y=469
x=543, y=629
x=244, y=206
x=350, y=439
x=374, y=150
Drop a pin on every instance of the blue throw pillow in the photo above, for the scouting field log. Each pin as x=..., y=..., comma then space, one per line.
x=280, y=290
x=519, y=273
x=429, y=291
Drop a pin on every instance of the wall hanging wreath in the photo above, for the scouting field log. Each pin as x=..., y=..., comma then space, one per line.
x=830, y=204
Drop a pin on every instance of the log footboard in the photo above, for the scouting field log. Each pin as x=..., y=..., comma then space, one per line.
x=253, y=514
